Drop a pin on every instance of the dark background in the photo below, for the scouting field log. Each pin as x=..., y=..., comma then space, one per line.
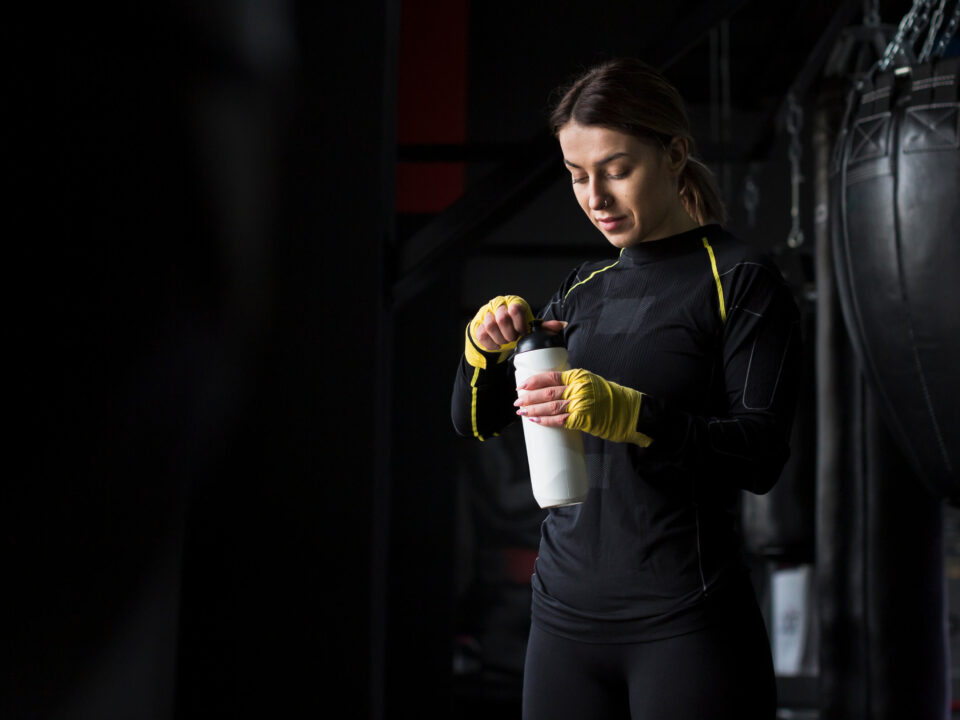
x=246, y=239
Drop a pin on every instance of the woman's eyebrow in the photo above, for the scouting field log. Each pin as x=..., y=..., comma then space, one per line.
x=602, y=162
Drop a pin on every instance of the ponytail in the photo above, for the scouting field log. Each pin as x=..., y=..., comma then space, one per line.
x=700, y=195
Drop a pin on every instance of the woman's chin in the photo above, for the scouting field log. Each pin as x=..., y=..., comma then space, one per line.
x=621, y=240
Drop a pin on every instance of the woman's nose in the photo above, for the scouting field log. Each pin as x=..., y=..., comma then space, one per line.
x=598, y=197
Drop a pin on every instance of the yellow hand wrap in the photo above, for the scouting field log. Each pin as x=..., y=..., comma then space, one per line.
x=602, y=408
x=472, y=349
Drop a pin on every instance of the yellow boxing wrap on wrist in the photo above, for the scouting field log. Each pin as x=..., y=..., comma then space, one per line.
x=472, y=349
x=602, y=408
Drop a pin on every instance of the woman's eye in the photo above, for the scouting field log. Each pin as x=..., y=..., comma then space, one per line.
x=616, y=176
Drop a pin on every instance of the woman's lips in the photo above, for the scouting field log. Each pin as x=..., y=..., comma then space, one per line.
x=611, y=223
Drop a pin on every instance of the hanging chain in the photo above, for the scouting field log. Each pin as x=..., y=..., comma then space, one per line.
x=907, y=24
x=920, y=23
x=948, y=33
x=794, y=124
x=935, y=23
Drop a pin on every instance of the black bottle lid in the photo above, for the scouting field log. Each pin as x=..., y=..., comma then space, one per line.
x=539, y=339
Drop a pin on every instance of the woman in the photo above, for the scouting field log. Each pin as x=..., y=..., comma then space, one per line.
x=685, y=356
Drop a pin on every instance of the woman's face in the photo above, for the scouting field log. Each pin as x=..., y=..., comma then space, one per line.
x=626, y=186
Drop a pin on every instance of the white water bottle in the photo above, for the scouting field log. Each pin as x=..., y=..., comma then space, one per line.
x=558, y=471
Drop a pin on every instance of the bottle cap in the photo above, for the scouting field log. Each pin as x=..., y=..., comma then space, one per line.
x=539, y=339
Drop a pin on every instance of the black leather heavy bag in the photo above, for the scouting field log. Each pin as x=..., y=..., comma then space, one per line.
x=895, y=189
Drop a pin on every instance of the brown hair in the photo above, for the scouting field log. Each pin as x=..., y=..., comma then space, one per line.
x=631, y=96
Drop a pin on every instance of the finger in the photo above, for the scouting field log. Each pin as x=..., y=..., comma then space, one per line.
x=545, y=409
x=533, y=397
x=505, y=324
x=492, y=330
x=554, y=326
x=518, y=317
x=551, y=420
x=484, y=340
x=541, y=380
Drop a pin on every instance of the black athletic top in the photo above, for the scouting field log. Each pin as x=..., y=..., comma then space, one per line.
x=705, y=326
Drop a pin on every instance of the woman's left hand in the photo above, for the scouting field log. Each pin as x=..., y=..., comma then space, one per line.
x=581, y=400
x=540, y=398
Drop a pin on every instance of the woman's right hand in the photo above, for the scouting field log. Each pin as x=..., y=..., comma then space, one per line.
x=498, y=325
x=501, y=321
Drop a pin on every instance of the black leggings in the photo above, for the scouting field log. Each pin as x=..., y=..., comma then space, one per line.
x=723, y=671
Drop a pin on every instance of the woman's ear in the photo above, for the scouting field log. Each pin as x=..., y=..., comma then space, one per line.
x=677, y=152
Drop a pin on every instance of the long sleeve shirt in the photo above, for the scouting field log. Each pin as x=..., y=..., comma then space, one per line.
x=704, y=326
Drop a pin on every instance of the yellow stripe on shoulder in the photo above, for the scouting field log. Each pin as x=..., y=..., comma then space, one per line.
x=595, y=272
x=716, y=276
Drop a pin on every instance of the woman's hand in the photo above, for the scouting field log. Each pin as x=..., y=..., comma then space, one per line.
x=540, y=398
x=498, y=325
x=581, y=400
x=505, y=324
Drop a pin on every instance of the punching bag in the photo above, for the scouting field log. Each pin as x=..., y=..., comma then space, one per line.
x=897, y=251
x=880, y=564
